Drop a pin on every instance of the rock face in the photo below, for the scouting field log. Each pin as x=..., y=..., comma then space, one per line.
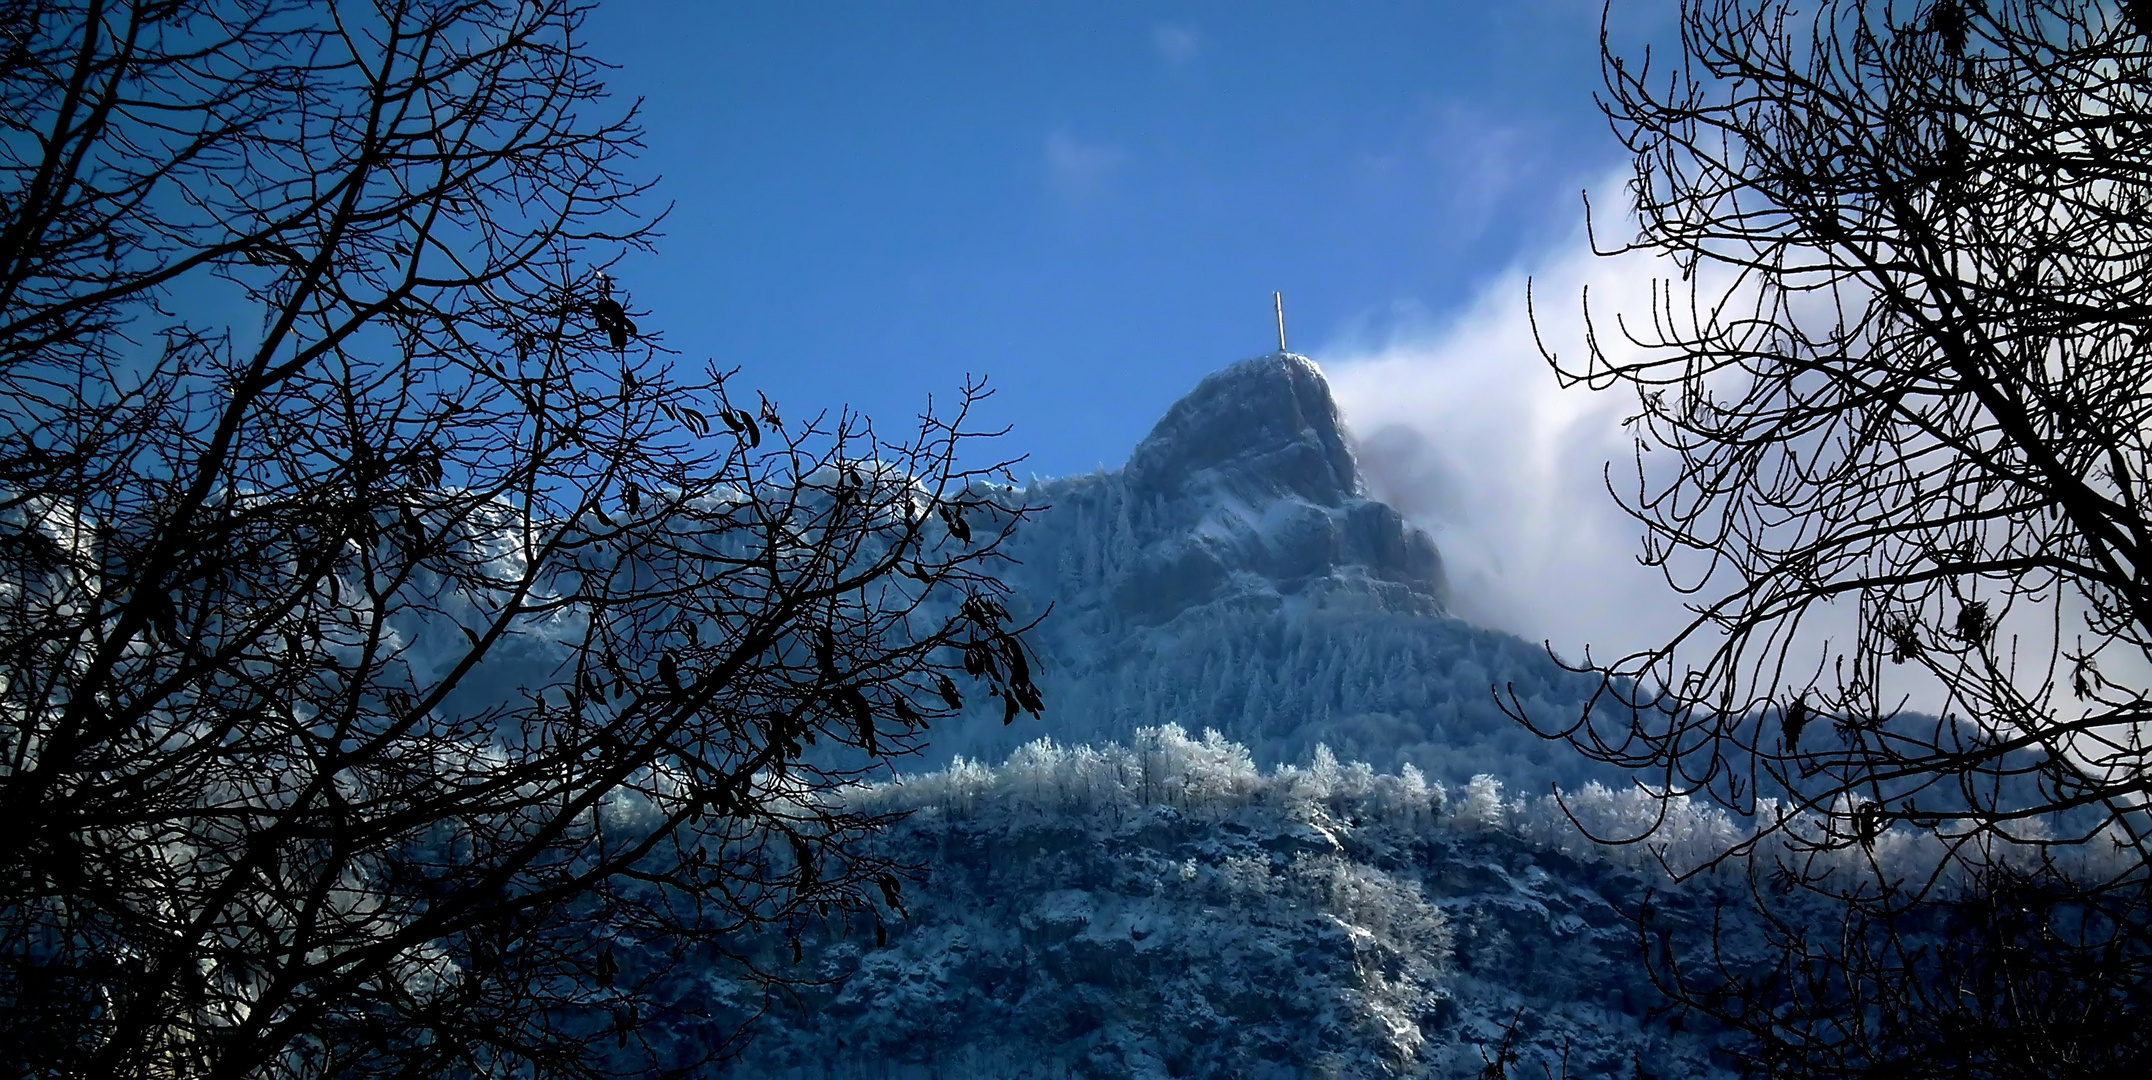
x=1261, y=428
x=1248, y=486
x=1235, y=575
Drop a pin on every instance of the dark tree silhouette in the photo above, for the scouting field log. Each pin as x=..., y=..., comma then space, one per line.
x=397, y=651
x=1897, y=410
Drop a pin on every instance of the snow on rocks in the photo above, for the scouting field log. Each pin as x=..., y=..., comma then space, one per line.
x=1117, y=912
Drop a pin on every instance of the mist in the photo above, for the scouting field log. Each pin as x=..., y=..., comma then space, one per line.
x=1462, y=426
x=1460, y=423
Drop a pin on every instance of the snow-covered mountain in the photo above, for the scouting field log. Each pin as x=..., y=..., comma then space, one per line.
x=1235, y=575
x=1118, y=899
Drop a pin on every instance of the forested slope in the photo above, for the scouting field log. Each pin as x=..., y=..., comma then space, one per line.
x=1165, y=908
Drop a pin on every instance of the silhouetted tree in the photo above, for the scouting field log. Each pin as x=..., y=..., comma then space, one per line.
x=1900, y=382
x=399, y=657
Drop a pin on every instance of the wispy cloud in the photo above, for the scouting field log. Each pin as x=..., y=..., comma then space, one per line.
x=1077, y=169
x=1462, y=426
x=1465, y=163
x=1179, y=44
x=1482, y=157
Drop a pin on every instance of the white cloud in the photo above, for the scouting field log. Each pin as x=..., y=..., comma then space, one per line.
x=1464, y=428
x=1077, y=169
x=1179, y=44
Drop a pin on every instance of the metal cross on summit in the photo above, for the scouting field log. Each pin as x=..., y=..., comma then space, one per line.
x=1277, y=300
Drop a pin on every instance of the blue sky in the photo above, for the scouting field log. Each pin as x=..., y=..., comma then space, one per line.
x=1091, y=203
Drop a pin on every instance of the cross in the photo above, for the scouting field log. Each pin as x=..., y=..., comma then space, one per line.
x=1277, y=300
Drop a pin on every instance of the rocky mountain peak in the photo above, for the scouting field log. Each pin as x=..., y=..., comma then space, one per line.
x=1244, y=497
x=1260, y=428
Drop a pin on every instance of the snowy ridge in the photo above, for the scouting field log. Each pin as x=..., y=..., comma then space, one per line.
x=1166, y=908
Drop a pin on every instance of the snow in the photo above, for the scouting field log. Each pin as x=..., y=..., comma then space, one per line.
x=1160, y=909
